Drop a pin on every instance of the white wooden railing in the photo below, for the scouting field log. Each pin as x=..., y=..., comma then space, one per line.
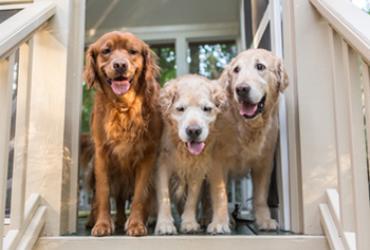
x=27, y=214
x=345, y=217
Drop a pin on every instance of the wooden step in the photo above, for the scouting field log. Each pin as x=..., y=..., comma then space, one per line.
x=295, y=242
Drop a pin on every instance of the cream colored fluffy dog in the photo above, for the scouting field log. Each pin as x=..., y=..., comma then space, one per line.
x=253, y=81
x=190, y=106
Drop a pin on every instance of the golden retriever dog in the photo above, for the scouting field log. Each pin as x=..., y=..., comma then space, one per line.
x=253, y=82
x=190, y=106
x=126, y=129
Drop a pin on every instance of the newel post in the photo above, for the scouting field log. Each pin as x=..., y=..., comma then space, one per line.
x=55, y=115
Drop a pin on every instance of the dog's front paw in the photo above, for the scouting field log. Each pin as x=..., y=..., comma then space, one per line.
x=218, y=228
x=263, y=219
x=165, y=227
x=189, y=226
x=103, y=228
x=267, y=224
x=135, y=228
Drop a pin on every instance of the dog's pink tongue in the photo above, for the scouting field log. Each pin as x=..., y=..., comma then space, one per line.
x=248, y=109
x=120, y=87
x=195, y=148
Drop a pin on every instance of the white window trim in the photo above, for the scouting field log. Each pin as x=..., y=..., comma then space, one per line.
x=180, y=36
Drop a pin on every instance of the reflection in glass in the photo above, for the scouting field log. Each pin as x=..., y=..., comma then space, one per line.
x=209, y=58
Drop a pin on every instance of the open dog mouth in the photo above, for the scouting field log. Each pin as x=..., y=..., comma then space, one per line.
x=120, y=85
x=195, y=147
x=251, y=110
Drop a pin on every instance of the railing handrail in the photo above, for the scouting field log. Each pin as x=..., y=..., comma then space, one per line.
x=348, y=20
x=19, y=27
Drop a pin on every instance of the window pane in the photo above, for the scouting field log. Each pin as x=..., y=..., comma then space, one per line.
x=166, y=61
x=210, y=58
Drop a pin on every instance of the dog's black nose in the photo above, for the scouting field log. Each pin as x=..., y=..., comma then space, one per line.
x=120, y=66
x=193, y=131
x=243, y=91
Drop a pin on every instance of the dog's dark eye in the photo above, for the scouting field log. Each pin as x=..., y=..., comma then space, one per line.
x=133, y=51
x=180, y=109
x=236, y=69
x=106, y=51
x=260, y=66
x=207, y=109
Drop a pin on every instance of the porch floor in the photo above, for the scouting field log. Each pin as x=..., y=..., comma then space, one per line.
x=235, y=242
x=241, y=227
x=243, y=236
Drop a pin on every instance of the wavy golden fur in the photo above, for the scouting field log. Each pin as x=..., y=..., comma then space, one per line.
x=126, y=129
x=253, y=82
x=188, y=101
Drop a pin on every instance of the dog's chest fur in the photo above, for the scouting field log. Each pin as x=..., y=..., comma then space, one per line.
x=187, y=169
x=125, y=131
x=257, y=144
x=251, y=141
x=185, y=166
x=190, y=167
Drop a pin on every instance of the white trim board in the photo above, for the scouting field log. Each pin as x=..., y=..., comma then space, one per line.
x=179, y=35
x=301, y=242
x=192, y=32
x=14, y=6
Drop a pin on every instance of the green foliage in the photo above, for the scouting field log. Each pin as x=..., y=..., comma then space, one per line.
x=167, y=62
x=209, y=59
x=87, y=104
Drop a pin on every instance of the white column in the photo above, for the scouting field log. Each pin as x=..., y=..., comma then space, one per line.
x=283, y=165
x=181, y=55
x=292, y=117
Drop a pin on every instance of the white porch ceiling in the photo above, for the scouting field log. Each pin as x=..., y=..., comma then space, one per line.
x=108, y=15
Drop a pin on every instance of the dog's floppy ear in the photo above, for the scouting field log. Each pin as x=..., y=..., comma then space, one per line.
x=168, y=95
x=150, y=70
x=281, y=75
x=225, y=78
x=90, y=72
x=219, y=95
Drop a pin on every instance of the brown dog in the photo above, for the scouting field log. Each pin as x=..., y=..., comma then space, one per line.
x=126, y=128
